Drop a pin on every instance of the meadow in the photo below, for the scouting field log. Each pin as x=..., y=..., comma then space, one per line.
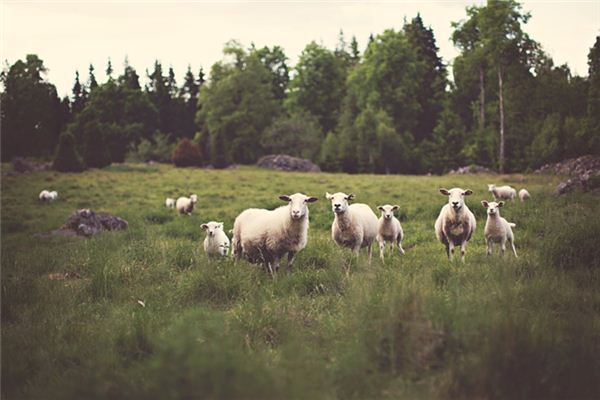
x=144, y=314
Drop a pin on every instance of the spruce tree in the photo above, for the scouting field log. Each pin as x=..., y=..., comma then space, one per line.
x=92, y=83
x=95, y=150
x=67, y=159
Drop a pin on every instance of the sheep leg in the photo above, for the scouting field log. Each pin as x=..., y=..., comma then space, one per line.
x=370, y=251
x=291, y=258
x=503, y=246
x=489, y=247
x=512, y=245
x=400, y=249
x=450, y=250
x=382, y=250
x=463, y=251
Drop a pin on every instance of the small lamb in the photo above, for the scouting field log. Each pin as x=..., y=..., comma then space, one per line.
x=524, y=195
x=186, y=205
x=497, y=229
x=47, y=197
x=216, y=242
x=170, y=203
x=456, y=223
x=354, y=226
x=389, y=230
x=502, y=192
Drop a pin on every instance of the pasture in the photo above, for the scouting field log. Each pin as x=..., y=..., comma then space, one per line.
x=144, y=314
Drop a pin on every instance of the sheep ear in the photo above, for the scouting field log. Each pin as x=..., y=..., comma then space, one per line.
x=395, y=207
x=328, y=196
x=350, y=196
x=221, y=225
x=311, y=199
x=380, y=208
x=484, y=203
x=467, y=192
x=500, y=204
x=284, y=197
x=204, y=226
x=445, y=192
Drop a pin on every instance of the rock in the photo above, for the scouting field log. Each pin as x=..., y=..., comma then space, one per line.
x=21, y=165
x=573, y=167
x=85, y=222
x=284, y=162
x=565, y=187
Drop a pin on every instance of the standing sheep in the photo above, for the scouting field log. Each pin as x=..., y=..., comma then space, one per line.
x=265, y=236
x=497, y=229
x=354, y=226
x=47, y=196
x=216, y=242
x=502, y=192
x=456, y=223
x=186, y=205
x=524, y=195
x=170, y=203
x=389, y=229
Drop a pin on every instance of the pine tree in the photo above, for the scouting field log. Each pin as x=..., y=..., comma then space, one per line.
x=67, y=159
x=130, y=78
x=109, y=70
x=79, y=95
x=92, y=83
x=95, y=150
x=354, y=52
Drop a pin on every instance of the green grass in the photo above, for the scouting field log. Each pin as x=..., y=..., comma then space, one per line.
x=417, y=326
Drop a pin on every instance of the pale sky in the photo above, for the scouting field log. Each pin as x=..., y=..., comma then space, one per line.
x=69, y=35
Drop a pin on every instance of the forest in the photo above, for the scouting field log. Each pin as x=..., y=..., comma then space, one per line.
x=392, y=108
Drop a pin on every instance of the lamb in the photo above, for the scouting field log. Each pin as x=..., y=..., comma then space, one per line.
x=524, y=195
x=502, y=192
x=170, y=203
x=497, y=229
x=47, y=196
x=389, y=229
x=216, y=242
x=266, y=236
x=186, y=205
x=354, y=226
x=456, y=223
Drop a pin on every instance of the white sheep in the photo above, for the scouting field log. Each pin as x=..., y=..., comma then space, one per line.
x=389, y=229
x=354, y=226
x=265, y=236
x=456, y=223
x=524, y=195
x=170, y=203
x=47, y=196
x=216, y=242
x=497, y=229
x=502, y=192
x=186, y=205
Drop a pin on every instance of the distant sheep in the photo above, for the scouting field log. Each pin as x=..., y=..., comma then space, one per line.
x=47, y=196
x=216, y=242
x=524, y=195
x=186, y=205
x=170, y=203
x=266, y=236
x=497, y=229
x=503, y=192
x=456, y=223
x=354, y=226
x=389, y=229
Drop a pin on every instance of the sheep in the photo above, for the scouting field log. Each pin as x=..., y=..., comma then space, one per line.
x=497, y=229
x=47, y=196
x=502, y=192
x=265, y=236
x=185, y=205
x=389, y=229
x=524, y=195
x=216, y=242
x=170, y=203
x=456, y=223
x=354, y=226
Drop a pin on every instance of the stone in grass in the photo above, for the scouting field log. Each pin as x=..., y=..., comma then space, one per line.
x=85, y=222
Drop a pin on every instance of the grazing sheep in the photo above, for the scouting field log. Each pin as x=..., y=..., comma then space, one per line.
x=524, y=195
x=389, y=229
x=46, y=196
x=216, y=242
x=170, y=203
x=265, y=236
x=497, y=229
x=502, y=192
x=456, y=223
x=186, y=205
x=354, y=226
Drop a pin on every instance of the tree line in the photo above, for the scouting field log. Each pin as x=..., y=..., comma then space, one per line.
x=390, y=109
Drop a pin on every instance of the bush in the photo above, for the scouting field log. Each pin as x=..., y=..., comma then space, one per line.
x=96, y=153
x=187, y=154
x=67, y=159
x=297, y=135
x=158, y=149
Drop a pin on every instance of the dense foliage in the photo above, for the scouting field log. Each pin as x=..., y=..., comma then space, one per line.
x=391, y=109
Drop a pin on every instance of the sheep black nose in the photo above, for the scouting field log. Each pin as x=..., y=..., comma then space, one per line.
x=336, y=205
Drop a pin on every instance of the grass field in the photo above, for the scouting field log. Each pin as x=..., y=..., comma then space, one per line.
x=416, y=327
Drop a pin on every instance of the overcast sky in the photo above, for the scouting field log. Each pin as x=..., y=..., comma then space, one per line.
x=69, y=36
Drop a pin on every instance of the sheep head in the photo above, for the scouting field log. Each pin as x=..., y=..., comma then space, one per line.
x=387, y=211
x=339, y=201
x=492, y=207
x=456, y=197
x=211, y=227
x=297, y=204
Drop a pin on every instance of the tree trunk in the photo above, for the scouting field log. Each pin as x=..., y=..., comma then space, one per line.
x=501, y=98
x=481, y=99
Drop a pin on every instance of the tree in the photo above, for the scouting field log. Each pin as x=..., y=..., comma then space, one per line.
x=92, y=83
x=95, y=151
x=109, y=70
x=187, y=154
x=79, y=95
x=593, y=108
x=354, y=52
x=67, y=159
x=189, y=95
x=297, y=135
x=130, y=79
x=274, y=60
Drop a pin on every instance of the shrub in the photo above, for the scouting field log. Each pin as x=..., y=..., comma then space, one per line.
x=158, y=149
x=187, y=154
x=95, y=153
x=67, y=159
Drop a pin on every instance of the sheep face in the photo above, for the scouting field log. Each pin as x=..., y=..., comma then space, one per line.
x=492, y=207
x=387, y=211
x=298, y=204
x=456, y=197
x=193, y=199
x=212, y=227
x=339, y=201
